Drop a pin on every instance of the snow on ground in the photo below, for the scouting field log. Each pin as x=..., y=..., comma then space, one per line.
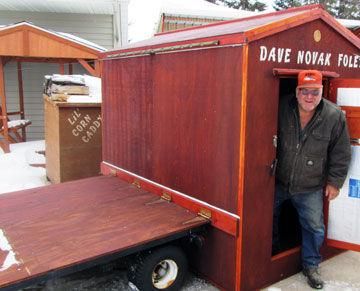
x=15, y=172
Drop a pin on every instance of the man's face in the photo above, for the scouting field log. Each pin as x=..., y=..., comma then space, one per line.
x=308, y=98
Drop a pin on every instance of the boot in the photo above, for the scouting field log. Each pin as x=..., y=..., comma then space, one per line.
x=313, y=277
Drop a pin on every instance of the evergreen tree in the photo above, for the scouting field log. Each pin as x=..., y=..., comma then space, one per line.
x=349, y=9
x=284, y=4
x=244, y=4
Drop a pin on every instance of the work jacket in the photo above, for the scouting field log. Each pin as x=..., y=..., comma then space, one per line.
x=316, y=155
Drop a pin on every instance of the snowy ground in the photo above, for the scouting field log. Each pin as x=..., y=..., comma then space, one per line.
x=16, y=174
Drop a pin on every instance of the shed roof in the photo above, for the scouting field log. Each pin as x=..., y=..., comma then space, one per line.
x=24, y=39
x=242, y=30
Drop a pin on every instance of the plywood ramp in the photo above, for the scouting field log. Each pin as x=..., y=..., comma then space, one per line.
x=65, y=225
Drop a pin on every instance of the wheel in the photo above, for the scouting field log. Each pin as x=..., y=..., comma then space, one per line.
x=163, y=268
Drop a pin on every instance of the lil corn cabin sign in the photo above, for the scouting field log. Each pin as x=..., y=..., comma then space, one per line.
x=196, y=110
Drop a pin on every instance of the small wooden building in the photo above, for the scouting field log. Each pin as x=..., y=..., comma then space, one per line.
x=25, y=42
x=196, y=111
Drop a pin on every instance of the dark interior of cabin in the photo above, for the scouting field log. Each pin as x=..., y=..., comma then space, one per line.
x=289, y=227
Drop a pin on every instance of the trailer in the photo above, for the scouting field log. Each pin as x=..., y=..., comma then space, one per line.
x=60, y=229
x=189, y=154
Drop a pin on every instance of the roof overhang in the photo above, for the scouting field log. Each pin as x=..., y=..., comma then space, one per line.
x=27, y=40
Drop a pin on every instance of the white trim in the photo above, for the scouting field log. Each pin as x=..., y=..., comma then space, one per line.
x=172, y=190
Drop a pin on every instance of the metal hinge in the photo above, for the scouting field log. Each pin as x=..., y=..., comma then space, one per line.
x=275, y=141
x=202, y=214
x=205, y=213
x=166, y=196
x=136, y=183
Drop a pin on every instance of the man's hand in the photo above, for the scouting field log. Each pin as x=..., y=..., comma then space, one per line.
x=331, y=192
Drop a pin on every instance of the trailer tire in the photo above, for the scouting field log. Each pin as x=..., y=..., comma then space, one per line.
x=163, y=268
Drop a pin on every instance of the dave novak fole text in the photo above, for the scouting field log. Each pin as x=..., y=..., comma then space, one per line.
x=287, y=55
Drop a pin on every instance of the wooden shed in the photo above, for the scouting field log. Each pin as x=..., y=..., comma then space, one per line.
x=25, y=42
x=196, y=111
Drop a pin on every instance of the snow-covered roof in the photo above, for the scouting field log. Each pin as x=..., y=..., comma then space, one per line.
x=63, y=35
x=201, y=8
x=144, y=15
x=80, y=40
x=349, y=23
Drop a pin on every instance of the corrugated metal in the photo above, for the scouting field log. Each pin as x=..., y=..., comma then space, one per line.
x=95, y=28
x=174, y=22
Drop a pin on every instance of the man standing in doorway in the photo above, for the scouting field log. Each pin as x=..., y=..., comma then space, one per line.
x=313, y=153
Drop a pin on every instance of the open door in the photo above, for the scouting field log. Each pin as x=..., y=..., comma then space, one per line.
x=343, y=228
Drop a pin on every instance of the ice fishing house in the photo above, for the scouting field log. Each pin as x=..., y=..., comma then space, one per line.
x=196, y=110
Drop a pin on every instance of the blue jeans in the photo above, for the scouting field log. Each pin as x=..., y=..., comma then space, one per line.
x=309, y=206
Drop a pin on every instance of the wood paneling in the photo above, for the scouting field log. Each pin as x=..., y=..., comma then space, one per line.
x=258, y=267
x=28, y=41
x=182, y=123
x=11, y=44
x=174, y=119
x=219, y=219
x=60, y=226
x=73, y=140
x=41, y=45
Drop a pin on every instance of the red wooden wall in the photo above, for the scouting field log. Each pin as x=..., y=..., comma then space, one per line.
x=175, y=118
x=258, y=267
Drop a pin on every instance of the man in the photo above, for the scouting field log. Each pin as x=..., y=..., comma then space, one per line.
x=313, y=153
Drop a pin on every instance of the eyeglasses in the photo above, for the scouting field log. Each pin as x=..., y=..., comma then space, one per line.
x=314, y=92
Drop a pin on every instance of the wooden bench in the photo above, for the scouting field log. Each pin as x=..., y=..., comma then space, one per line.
x=15, y=129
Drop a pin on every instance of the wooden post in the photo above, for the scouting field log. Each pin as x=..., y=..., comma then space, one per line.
x=98, y=68
x=5, y=143
x=21, y=98
x=62, y=68
x=93, y=71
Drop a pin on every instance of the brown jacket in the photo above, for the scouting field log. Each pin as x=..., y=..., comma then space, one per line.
x=318, y=154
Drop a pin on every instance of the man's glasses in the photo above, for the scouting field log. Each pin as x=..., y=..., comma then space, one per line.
x=314, y=92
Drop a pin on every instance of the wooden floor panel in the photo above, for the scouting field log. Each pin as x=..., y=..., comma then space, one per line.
x=61, y=225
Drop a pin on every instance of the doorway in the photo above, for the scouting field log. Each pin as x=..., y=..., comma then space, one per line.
x=289, y=230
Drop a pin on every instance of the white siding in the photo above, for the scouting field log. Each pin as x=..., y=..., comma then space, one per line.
x=95, y=28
